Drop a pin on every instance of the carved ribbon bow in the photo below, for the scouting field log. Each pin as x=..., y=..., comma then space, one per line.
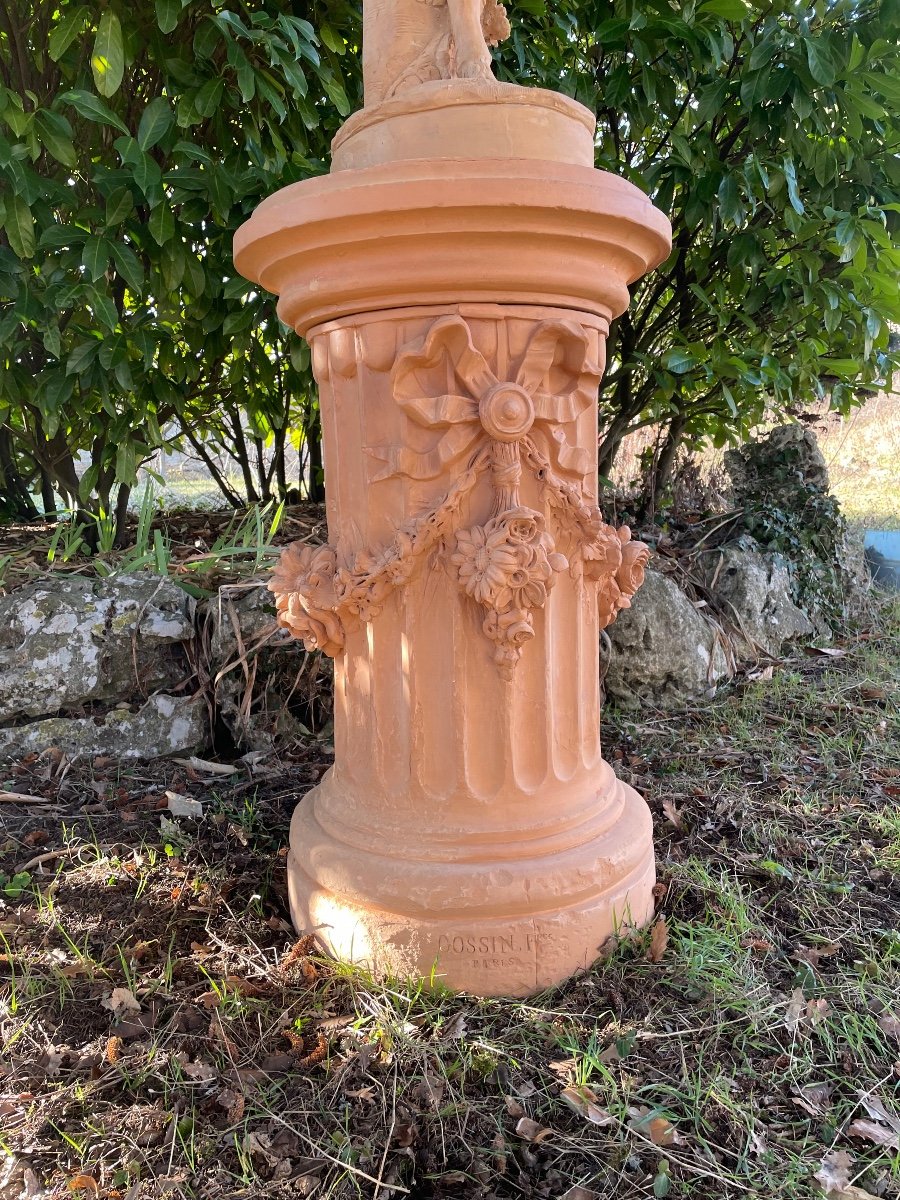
x=509, y=563
x=444, y=383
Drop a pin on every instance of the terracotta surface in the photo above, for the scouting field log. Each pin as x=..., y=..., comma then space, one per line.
x=464, y=119
x=456, y=290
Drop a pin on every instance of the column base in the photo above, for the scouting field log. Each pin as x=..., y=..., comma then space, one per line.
x=503, y=925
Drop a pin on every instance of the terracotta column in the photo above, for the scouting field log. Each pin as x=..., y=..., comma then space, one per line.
x=455, y=276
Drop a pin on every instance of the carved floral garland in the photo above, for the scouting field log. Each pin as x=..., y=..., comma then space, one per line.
x=508, y=564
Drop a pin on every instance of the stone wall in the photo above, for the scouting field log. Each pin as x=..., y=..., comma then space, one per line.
x=99, y=666
x=685, y=635
x=132, y=666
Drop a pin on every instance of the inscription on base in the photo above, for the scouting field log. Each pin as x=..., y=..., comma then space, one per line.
x=488, y=950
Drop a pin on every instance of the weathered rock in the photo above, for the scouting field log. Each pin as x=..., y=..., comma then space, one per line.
x=267, y=688
x=69, y=641
x=163, y=725
x=787, y=459
x=781, y=485
x=753, y=591
x=664, y=652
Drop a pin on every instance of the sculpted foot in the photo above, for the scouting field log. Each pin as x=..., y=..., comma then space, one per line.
x=476, y=66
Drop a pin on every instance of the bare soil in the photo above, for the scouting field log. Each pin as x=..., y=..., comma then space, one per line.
x=164, y=1032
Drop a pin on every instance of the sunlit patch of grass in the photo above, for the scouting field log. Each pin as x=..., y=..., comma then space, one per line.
x=862, y=451
x=744, y=1051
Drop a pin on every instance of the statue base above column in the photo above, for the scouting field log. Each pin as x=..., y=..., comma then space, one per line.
x=463, y=118
x=508, y=917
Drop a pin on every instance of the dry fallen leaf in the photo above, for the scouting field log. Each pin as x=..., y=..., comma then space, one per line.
x=890, y=1025
x=579, y=1193
x=183, y=806
x=276, y=1063
x=584, y=1102
x=76, y=969
x=121, y=1001
x=456, y=1028
x=875, y=1132
x=233, y=1103
x=814, y=954
x=404, y=1134
x=659, y=1130
x=564, y=1067
x=531, y=1131
x=331, y=1024
x=795, y=1009
x=834, y=1178
x=498, y=1158
x=879, y=1111
x=763, y=673
x=815, y=1098
x=259, y=1144
x=513, y=1107
x=202, y=764
x=659, y=939
x=141, y=950
x=758, y=1143
x=196, y=1070
x=32, y=1186
x=672, y=814
x=83, y=1183
x=431, y=1090
x=817, y=1011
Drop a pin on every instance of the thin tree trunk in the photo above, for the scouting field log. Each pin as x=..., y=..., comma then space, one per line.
x=662, y=470
x=610, y=442
x=221, y=482
x=13, y=484
x=48, y=496
x=122, y=497
x=316, y=486
x=279, y=464
x=243, y=457
x=262, y=475
x=609, y=446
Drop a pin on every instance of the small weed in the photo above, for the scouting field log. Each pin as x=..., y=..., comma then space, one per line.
x=163, y=1030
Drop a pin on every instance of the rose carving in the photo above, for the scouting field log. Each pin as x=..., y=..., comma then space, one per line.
x=303, y=583
x=619, y=574
x=508, y=566
x=319, y=601
x=630, y=576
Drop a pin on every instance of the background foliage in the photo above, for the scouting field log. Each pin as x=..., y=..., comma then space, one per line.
x=770, y=136
x=135, y=139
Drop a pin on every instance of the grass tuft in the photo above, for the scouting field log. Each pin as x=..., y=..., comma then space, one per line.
x=165, y=1035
